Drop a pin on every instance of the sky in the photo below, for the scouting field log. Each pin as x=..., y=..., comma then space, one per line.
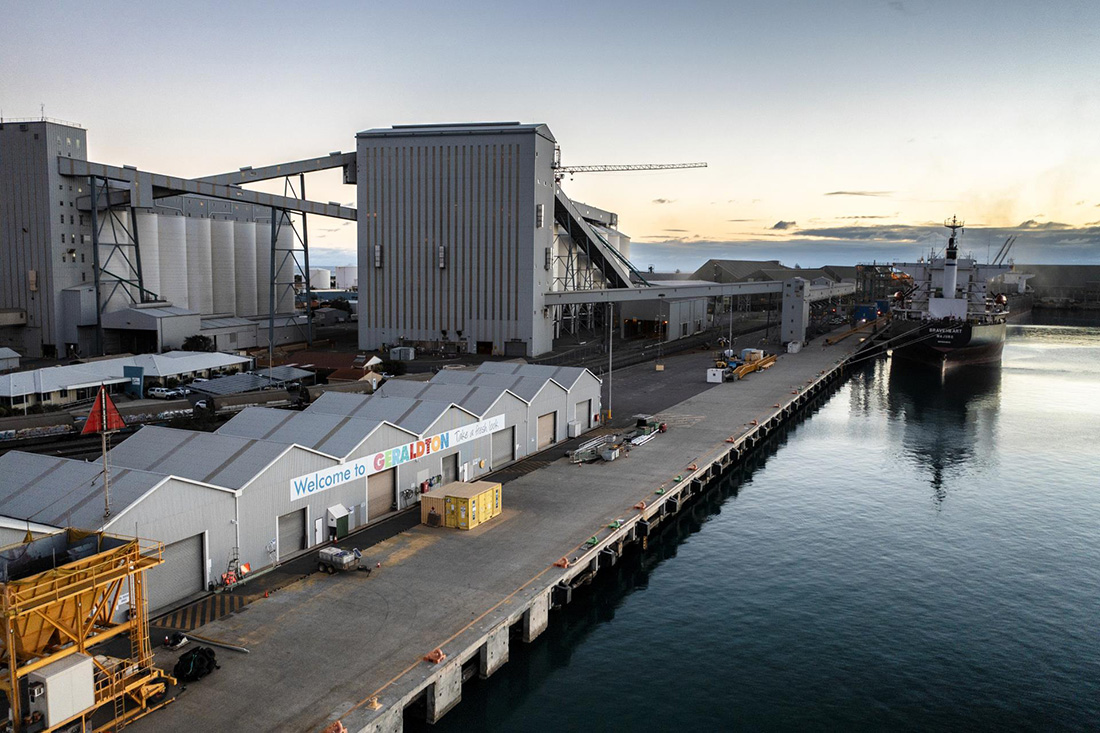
x=833, y=132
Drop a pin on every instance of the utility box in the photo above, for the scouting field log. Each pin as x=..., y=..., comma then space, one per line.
x=464, y=505
x=62, y=690
x=403, y=353
x=716, y=376
x=574, y=429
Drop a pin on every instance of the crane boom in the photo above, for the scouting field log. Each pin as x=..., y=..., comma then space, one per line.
x=570, y=169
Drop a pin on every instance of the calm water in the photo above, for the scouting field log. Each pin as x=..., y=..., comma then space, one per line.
x=918, y=555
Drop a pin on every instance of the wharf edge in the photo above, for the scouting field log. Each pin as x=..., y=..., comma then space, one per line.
x=530, y=604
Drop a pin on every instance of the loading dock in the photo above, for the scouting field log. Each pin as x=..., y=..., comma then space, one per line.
x=292, y=533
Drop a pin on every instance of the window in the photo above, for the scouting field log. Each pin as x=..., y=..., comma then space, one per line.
x=61, y=203
x=83, y=277
x=377, y=255
x=82, y=257
x=540, y=215
x=442, y=256
x=63, y=237
x=62, y=218
x=78, y=143
x=68, y=141
x=70, y=218
x=549, y=257
x=72, y=239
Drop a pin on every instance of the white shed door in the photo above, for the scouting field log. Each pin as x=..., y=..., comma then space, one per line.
x=380, y=493
x=548, y=428
x=504, y=446
x=292, y=533
x=179, y=576
x=584, y=414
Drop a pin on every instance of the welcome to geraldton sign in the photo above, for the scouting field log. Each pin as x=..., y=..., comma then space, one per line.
x=318, y=481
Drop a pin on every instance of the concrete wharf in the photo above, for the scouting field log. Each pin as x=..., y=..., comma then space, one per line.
x=351, y=647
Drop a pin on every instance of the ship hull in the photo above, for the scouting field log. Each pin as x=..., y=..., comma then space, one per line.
x=943, y=343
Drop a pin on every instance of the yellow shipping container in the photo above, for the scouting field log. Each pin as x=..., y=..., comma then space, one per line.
x=471, y=504
x=435, y=499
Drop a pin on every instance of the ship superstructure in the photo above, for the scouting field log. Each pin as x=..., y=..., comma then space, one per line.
x=949, y=315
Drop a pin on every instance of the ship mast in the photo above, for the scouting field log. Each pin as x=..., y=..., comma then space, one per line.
x=951, y=259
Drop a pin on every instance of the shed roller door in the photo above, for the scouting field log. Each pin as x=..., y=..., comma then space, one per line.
x=380, y=493
x=292, y=533
x=450, y=468
x=180, y=575
x=504, y=446
x=584, y=414
x=548, y=427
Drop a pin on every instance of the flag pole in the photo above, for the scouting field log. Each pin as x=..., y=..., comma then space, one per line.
x=103, y=440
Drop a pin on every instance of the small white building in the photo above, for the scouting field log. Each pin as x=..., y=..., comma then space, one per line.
x=9, y=359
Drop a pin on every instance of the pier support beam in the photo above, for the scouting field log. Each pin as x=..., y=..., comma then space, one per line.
x=445, y=692
x=536, y=617
x=392, y=720
x=494, y=653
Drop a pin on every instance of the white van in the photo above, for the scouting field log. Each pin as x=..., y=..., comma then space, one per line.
x=161, y=393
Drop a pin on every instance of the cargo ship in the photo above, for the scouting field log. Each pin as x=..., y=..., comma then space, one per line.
x=949, y=316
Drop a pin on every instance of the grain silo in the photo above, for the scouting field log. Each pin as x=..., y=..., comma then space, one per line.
x=172, y=238
x=223, y=263
x=200, y=280
x=244, y=253
x=263, y=267
x=149, y=242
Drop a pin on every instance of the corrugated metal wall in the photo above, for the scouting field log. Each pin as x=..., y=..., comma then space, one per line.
x=472, y=195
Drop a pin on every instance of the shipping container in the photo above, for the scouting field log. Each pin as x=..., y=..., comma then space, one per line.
x=435, y=499
x=469, y=504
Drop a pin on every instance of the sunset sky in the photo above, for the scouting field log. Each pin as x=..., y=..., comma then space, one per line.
x=833, y=131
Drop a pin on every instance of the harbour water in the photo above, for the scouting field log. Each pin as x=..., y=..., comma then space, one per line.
x=922, y=553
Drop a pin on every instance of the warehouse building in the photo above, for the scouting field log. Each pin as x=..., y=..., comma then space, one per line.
x=64, y=385
x=197, y=256
x=269, y=483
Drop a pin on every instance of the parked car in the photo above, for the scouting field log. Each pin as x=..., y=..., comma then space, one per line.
x=161, y=393
x=197, y=380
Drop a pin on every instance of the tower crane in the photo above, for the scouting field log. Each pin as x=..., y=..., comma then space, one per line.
x=561, y=170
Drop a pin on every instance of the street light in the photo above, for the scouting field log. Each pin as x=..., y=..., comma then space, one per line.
x=660, y=320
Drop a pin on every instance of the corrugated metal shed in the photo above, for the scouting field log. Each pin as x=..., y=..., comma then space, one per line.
x=334, y=435
x=223, y=460
x=63, y=492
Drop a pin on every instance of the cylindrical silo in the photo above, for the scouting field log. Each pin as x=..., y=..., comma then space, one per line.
x=284, y=293
x=149, y=243
x=244, y=254
x=200, y=278
x=320, y=279
x=263, y=267
x=223, y=261
x=172, y=237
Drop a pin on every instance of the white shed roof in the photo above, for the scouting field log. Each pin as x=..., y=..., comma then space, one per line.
x=110, y=371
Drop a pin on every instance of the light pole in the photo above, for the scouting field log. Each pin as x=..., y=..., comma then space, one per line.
x=660, y=322
x=610, y=346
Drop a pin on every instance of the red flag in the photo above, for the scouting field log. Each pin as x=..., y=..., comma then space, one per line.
x=104, y=415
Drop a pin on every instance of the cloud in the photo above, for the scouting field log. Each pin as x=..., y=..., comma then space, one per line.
x=663, y=201
x=865, y=216
x=663, y=230
x=1043, y=225
x=737, y=220
x=783, y=225
x=859, y=193
x=897, y=6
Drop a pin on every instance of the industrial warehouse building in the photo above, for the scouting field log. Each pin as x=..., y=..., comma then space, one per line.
x=268, y=483
x=463, y=228
x=197, y=256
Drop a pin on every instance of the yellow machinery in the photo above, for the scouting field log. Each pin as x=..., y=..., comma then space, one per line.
x=751, y=366
x=61, y=596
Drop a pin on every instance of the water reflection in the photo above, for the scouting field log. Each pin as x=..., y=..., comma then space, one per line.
x=949, y=418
